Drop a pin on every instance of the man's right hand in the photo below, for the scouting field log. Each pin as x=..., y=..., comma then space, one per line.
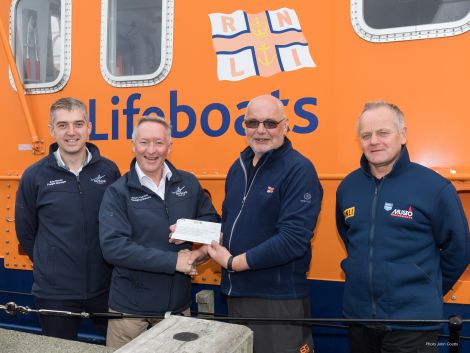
x=184, y=263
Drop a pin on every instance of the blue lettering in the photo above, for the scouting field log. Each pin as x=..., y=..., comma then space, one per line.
x=130, y=111
x=115, y=119
x=92, y=116
x=184, y=118
x=302, y=113
x=154, y=110
x=278, y=96
x=239, y=121
x=225, y=114
x=174, y=110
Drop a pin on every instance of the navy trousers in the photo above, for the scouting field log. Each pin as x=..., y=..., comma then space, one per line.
x=364, y=339
x=67, y=327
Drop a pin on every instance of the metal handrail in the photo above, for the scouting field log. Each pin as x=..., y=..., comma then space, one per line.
x=37, y=143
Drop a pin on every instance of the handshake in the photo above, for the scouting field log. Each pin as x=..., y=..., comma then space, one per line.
x=188, y=260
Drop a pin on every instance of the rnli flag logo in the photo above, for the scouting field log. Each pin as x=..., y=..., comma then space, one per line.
x=349, y=212
x=270, y=189
x=261, y=44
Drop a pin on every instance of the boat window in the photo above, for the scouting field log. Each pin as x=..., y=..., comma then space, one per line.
x=392, y=20
x=136, y=41
x=40, y=33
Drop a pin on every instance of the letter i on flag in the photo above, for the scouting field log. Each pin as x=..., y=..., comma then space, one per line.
x=262, y=44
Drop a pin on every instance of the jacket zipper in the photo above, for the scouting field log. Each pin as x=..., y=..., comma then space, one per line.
x=371, y=248
x=241, y=209
x=86, y=233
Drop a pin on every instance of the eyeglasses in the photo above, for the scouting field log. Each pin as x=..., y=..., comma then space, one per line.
x=268, y=124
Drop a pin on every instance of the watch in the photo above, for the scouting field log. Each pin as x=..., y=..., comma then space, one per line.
x=229, y=264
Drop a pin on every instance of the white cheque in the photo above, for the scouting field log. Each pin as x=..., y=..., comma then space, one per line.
x=196, y=231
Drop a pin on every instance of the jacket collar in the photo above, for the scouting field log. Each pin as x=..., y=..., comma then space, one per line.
x=401, y=163
x=94, y=151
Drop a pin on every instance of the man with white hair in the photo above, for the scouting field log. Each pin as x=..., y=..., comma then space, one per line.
x=405, y=233
x=151, y=276
x=271, y=206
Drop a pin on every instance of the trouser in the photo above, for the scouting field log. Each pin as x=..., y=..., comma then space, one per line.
x=364, y=339
x=122, y=331
x=67, y=327
x=275, y=337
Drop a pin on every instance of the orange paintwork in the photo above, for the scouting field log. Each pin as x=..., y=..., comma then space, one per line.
x=426, y=78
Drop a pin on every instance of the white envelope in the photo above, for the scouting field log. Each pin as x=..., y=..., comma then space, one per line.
x=196, y=231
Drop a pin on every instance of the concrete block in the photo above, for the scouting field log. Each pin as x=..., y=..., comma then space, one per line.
x=205, y=301
x=179, y=334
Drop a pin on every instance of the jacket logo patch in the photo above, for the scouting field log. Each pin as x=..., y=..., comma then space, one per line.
x=140, y=198
x=408, y=214
x=307, y=198
x=349, y=212
x=179, y=191
x=270, y=189
x=388, y=206
x=99, y=179
x=56, y=182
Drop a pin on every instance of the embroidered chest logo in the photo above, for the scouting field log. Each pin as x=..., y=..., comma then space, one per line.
x=349, y=212
x=180, y=191
x=55, y=182
x=140, y=198
x=388, y=206
x=307, y=198
x=408, y=214
x=99, y=179
x=270, y=189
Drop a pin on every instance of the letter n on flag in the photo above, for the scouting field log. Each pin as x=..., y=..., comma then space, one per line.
x=262, y=44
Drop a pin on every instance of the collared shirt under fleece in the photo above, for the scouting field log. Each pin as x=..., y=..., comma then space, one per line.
x=272, y=220
x=134, y=231
x=149, y=183
x=406, y=237
x=56, y=220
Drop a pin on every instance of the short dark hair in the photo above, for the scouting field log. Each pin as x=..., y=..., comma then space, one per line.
x=69, y=104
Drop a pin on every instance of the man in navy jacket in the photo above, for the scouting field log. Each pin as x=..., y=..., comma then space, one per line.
x=56, y=220
x=270, y=210
x=405, y=233
x=151, y=276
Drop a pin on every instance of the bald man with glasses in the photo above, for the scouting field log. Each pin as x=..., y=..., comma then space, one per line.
x=270, y=210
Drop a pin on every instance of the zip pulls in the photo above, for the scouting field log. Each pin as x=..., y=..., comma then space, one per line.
x=378, y=184
x=245, y=195
x=78, y=184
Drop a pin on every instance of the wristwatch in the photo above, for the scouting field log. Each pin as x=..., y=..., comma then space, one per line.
x=229, y=264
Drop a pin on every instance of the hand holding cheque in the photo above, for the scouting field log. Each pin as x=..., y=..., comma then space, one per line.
x=198, y=232
x=195, y=231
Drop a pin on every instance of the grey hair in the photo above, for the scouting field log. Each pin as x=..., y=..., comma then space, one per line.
x=154, y=119
x=69, y=104
x=398, y=116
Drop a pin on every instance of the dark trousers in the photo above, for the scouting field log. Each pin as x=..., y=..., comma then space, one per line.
x=364, y=339
x=67, y=327
x=275, y=337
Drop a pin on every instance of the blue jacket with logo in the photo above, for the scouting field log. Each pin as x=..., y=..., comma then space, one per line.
x=405, y=236
x=56, y=220
x=272, y=220
x=134, y=231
